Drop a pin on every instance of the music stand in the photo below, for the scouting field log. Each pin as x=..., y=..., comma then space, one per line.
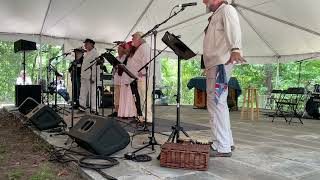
x=126, y=70
x=184, y=53
x=111, y=59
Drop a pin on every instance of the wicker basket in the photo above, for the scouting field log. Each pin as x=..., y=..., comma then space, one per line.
x=185, y=156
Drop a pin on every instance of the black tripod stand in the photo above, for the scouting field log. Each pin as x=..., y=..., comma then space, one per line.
x=183, y=52
x=54, y=89
x=152, y=141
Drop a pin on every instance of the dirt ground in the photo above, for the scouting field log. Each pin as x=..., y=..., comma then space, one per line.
x=23, y=155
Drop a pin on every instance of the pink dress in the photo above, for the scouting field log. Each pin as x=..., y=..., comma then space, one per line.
x=127, y=107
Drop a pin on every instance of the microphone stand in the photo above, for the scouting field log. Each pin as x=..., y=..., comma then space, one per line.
x=97, y=99
x=50, y=67
x=74, y=83
x=94, y=62
x=145, y=126
x=90, y=90
x=102, y=89
x=153, y=31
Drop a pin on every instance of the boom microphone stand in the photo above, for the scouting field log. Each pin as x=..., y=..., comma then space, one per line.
x=153, y=31
x=55, y=82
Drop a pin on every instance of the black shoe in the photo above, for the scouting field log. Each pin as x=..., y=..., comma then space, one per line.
x=94, y=112
x=114, y=114
x=215, y=153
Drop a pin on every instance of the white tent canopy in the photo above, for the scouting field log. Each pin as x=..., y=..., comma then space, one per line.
x=273, y=30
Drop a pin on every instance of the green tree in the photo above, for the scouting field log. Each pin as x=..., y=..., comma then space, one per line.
x=11, y=65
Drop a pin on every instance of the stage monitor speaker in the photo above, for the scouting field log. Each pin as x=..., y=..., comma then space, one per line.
x=28, y=105
x=22, y=92
x=100, y=135
x=23, y=45
x=43, y=117
x=107, y=101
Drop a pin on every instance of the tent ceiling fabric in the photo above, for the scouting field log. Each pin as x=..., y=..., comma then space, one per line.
x=110, y=20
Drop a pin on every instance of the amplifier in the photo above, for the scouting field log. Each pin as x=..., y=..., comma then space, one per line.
x=23, y=45
x=22, y=92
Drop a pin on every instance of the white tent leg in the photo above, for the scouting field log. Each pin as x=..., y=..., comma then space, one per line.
x=277, y=76
x=40, y=59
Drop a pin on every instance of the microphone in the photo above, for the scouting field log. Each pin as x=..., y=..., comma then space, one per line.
x=66, y=54
x=108, y=49
x=118, y=42
x=187, y=4
x=79, y=50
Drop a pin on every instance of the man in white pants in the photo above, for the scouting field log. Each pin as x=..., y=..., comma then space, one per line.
x=221, y=49
x=88, y=85
x=137, y=60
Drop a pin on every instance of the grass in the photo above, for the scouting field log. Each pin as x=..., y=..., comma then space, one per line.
x=44, y=173
x=2, y=149
x=40, y=146
x=15, y=175
x=2, y=153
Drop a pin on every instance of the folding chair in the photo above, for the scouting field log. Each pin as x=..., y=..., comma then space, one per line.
x=272, y=98
x=288, y=103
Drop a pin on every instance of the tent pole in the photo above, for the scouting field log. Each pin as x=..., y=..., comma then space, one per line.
x=182, y=22
x=277, y=19
x=45, y=17
x=257, y=32
x=139, y=19
x=40, y=60
x=278, y=74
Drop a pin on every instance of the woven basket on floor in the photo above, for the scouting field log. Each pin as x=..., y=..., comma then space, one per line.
x=185, y=156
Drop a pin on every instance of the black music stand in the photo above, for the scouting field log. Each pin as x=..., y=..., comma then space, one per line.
x=114, y=62
x=124, y=68
x=184, y=53
x=111, y=59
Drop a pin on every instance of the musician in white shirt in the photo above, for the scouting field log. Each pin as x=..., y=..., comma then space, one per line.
x=61, y=89
x=221, y=49
x=20, y=80
x=88, y=80
x=137, y=60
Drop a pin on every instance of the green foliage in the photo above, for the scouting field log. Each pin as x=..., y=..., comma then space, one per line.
x=11, y=65
x=248, y=75
x=169, y=70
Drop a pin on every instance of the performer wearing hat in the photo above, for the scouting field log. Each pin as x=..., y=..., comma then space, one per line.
x=61, y=89
x=75, y=71
x=221, y=49
x=88, y=85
